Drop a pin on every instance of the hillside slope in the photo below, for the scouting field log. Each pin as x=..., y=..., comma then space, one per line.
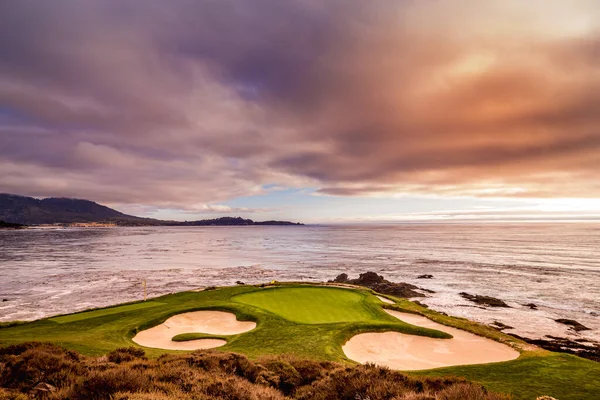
x=31, y=211
x=25, y=210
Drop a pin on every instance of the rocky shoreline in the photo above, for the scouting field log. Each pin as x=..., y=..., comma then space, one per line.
x=381, y=285
x=584, y=348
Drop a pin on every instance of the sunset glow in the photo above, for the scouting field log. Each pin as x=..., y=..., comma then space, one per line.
x=187, y=109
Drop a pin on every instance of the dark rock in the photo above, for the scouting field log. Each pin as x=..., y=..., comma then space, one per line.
x=369, y=278
x=239, y=283
x=426, y=276
x=405, y=290
x=4, y=299
x=417, y=302
x=531, y=305
x=576, y=326
x=500, y=326
x=565, y=345
x=484, y=300
x=377, y=283
x=341, y=278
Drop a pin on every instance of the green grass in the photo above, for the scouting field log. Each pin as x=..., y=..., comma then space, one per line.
x=312, y=322
x=313, y=305
x=100, y=331
x=104, y=311
x=562, y=376
x=186, y=337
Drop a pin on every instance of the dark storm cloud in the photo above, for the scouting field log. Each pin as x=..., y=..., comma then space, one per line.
x=174, y=103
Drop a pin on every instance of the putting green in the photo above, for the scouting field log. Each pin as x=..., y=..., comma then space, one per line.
x=311, y=305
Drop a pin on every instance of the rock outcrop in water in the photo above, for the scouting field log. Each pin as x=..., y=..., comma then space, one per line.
x=377, y=283
x=425, y=276
x=500, y=326
x=484, y=300
x=576, y=326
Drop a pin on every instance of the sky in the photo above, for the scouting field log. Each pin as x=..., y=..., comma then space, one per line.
x=305, y=110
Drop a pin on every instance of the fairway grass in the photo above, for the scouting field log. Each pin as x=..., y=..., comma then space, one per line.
x=313, y=322
x=104, y=311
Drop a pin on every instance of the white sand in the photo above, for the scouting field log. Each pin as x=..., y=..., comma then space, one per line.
x=211, y=322
x=388, y=301
x=409, y=352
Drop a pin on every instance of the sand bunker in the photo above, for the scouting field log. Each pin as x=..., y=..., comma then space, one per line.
x=409, y=352
x=211, y=322
x=388, y=301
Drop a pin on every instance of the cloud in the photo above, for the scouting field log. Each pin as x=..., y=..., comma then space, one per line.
x=185, y=103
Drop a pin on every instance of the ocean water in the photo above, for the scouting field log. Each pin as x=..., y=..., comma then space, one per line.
x=45, y=272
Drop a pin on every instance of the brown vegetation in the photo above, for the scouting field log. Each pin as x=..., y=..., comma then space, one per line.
x=45, y=371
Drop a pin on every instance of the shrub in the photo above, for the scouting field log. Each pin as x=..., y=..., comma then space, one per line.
x=283, y=376
x=126, y=354
x=102, y=385
x=126, y=374
x=467, y=391
x=31, y=364
x=12, y=395
x=144, y=396
x=228, y=363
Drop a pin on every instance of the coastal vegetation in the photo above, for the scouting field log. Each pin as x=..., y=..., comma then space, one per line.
x=47, y=371
x=303, y=322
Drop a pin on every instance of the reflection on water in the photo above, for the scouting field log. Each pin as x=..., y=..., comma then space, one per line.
x=556, y=266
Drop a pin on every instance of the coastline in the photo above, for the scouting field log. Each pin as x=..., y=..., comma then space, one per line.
x=586, y=348
x=277, y=332
x=77, y=268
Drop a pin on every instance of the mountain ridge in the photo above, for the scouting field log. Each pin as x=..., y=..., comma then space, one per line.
x=18, y=209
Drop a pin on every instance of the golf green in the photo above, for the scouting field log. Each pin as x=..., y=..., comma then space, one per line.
x=313, y=322
x=311, y=305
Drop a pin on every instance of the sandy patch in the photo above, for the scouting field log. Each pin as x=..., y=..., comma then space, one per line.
x=388, y=301
x=409, y=352
x=211, y=322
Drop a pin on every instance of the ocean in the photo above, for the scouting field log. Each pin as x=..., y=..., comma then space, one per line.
x=45, y=272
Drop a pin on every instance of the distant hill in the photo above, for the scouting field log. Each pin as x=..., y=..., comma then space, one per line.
x=231, y=221
x=30, y=211
x=8, y=225
x=24, y=210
